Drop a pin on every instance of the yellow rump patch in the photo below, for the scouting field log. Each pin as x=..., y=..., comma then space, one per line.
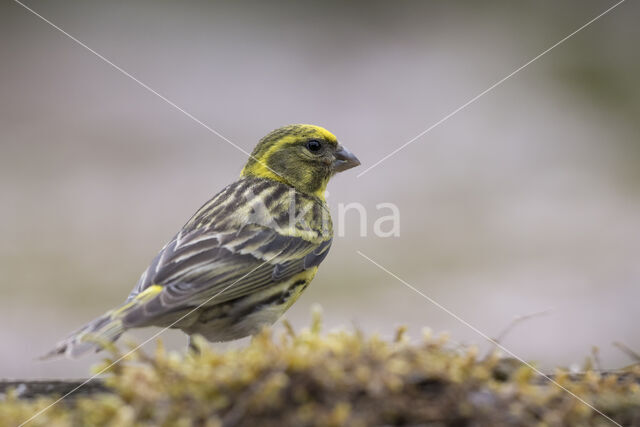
x=143, y=296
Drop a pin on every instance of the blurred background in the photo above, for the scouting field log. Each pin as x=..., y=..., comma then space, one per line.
x=527, y=200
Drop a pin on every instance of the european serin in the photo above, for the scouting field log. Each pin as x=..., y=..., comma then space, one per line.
x=245, y=256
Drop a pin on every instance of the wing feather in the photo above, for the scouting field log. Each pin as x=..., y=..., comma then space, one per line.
x=222, y=269
x=223, y=253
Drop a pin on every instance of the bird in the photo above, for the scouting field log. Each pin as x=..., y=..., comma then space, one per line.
x=244, y=257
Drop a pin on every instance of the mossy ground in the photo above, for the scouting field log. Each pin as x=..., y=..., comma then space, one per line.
x=341, y=378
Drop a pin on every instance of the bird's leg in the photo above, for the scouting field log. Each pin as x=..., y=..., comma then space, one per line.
x=191, y=346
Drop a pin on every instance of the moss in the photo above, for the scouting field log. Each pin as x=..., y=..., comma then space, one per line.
x=333, y=379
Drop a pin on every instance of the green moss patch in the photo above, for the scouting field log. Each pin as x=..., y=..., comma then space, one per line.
x=341, y=378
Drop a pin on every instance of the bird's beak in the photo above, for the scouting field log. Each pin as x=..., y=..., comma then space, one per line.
x=344, y=160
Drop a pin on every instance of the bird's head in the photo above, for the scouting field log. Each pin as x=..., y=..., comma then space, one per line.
x=303, y=156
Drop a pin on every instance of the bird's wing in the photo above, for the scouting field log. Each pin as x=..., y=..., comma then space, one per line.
x=204, y=265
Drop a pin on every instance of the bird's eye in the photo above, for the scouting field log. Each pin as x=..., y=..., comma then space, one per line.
x=314, y=145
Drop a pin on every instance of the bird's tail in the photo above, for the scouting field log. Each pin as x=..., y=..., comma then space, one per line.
x=92, y=336
x=101, y=331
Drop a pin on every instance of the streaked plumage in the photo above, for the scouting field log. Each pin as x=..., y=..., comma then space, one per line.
x=245, y=256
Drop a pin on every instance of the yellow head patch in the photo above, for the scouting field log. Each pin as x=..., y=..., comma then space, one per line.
x=281, y=156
